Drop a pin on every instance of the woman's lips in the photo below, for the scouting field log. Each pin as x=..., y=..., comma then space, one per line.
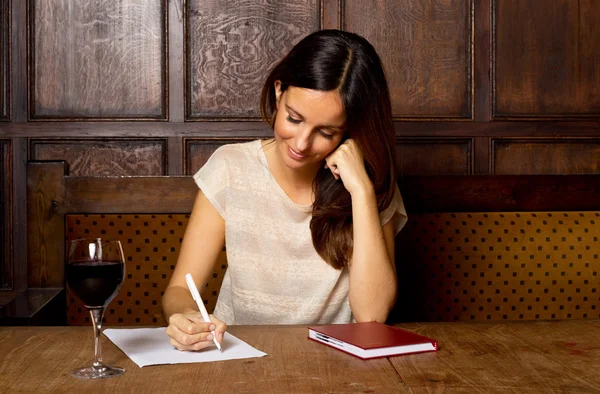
x=295, y=155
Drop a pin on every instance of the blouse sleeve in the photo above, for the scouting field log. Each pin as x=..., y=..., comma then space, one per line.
x=214, y=180
x=395, y=212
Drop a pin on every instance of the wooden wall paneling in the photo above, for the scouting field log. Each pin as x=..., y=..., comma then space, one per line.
x=175, y=156
x=262, y=129
x=137, y=129
x=176, y=64
x=176, y=104
x=18, y=62
x=427, y=51
x=6, y=264
x=443, y=156
x=230, y=47
x=198, y=150
x=98, y=59
x=45, y=199
x=500, y=193
x=546, y=59
x=104, y=157
x=331, y=14
x=482, y=61
x=19, y=212
x=523, y=156
x=481, y=155
x=4, y=61
x=129, y=195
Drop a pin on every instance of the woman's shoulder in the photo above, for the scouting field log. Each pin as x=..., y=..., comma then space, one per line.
x=236, y=154
x=238, y=148
x=230, y=164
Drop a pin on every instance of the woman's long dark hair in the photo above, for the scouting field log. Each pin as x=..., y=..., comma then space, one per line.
x=335, y=60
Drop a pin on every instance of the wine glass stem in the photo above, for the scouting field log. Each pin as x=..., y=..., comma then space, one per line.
x=97, y=314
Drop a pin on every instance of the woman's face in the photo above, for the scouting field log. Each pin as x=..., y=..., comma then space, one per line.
x=309, y=125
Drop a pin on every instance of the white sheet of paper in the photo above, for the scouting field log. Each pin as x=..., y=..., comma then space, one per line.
x=151, y=346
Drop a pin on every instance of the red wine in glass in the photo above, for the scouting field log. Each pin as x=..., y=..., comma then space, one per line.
x=95, y=271
x=95, y=283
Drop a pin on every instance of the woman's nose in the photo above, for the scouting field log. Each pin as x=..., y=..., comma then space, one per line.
x=303, y=139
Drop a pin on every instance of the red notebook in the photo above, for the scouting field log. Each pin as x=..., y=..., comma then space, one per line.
x=371, y=340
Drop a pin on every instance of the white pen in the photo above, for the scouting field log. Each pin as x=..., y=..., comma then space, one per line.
x=201, y=307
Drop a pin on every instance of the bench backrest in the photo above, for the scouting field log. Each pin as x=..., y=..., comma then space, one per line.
x=475, y=248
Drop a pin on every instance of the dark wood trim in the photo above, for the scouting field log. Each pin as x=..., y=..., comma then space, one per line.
x=18, y=65
x=470, y=55
x=175, y=156
x=45, y=224
x=481, y=153
x=501, y=193
x=176, y=65
x=128, y=194
x=261, y=129
x=5, y=53
x=483, y=61
x=6, y=260
x=19, y=213
x=330, y=17
x=342, y=13
x=186, y=69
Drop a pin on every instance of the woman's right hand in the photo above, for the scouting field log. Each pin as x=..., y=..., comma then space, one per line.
x=190, y=332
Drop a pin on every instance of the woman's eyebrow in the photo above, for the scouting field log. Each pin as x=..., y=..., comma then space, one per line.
x=296, y=113
x=290, y=109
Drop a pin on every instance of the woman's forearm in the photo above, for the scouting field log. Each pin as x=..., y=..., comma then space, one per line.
x=373, y=283
x=177, y=300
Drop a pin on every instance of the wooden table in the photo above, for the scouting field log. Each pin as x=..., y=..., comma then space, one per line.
x=511, y=357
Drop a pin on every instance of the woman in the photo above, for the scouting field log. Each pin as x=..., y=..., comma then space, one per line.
x=308, y=217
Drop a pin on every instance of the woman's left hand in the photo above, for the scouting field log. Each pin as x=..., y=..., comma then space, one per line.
x=347, y=163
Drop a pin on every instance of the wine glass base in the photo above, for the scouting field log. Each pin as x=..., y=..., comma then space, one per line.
x=103, y=372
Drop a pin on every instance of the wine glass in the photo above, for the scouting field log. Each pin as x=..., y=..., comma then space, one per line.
x=95, y=271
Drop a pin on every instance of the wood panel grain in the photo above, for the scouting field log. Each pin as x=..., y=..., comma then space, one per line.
x=232, y=45
x=513, y=156
x=154, y=195
x=198, y=150
x=546, y=59
x=4, y=61
x=426, y=48
x=97, y=157
x=45, y=225
x=6, y=267
x=420, y=156
x=97, y=59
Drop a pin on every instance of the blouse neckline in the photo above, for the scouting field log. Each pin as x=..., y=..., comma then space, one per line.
x=263, y=159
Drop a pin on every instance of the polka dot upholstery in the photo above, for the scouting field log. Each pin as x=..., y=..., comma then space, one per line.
x=151, y=246
x=499, y=266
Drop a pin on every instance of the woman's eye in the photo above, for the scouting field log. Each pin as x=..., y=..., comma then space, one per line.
x=324, y=134
x=292, y=120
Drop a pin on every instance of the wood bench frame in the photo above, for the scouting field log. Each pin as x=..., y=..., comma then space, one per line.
x=52, y=193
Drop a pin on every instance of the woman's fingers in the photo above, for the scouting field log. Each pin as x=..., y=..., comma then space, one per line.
x=191, y=332
x=220, y=328
x=184, y=341
x=330, y=163
x=190, y=323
